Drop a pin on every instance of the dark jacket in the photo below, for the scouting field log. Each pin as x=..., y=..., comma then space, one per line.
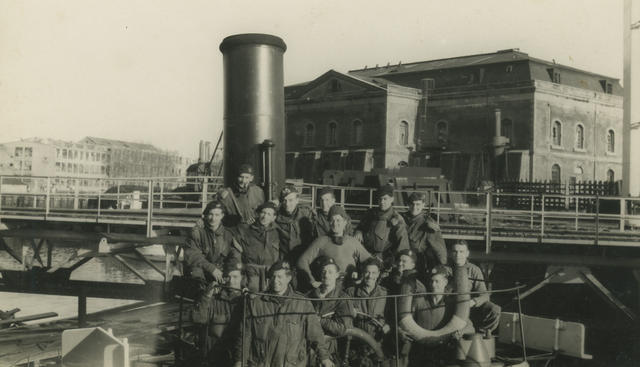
x=375, y=308
x=337, y=323
x=296, y=231
x=384, y=233
x=240, y=205
x=206, y=250
x=278, y=332
x=215, y=313
x=260, y=248
x=426, y=239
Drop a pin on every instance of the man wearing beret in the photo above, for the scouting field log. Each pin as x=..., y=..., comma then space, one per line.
x=259, y=244
x=424, y=234
x=322, y=218
x=209, y=245
x=280, y=327
x=382, y=230
x=295, y=224
x=346, y=250
x=242, y=199
x=336, y=316
x=213, y=311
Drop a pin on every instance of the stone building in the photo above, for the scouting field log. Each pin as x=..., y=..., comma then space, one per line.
x=562, y=124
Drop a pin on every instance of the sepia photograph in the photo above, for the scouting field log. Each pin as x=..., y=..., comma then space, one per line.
x=330, y=183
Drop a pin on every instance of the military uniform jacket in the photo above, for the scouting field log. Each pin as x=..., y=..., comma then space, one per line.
x=278, y=332
x=206, y=250
x=431, y=314
x=260, y=248
x=425, y=237
x=296, y=231
x=336, y=324
x=372, y=307
x=246, y=203
x=384, y=233
x=216, y=312
x=322, y=224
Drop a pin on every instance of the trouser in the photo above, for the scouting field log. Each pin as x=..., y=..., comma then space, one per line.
x=486, y=317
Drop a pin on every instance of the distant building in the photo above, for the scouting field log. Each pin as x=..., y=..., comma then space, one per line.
x=562, y=124
x=81, y=163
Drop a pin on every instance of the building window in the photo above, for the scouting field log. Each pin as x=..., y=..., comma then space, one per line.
x=57, y=152
x=611, y=141
x=555, y=173
x=509, y=68
x=335, y=86
x=507, y=129
x=403, y=133
x=332, y=134
x=64, y=153
x=18, y=152
x=611, y=176
x=442, y=131
x=579, y=136
x=356, y=134
x=556, y=133
x=309, y=132
x=28, y=151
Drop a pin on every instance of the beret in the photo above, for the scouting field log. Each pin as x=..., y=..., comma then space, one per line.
x=408, y=252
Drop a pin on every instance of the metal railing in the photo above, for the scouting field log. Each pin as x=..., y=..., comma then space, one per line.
x=178, y=201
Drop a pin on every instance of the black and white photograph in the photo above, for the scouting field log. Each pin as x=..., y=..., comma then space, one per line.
x=316, y=183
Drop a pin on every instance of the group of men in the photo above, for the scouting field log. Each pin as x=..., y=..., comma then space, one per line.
x=313, y=276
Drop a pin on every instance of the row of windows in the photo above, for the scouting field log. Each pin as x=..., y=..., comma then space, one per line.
x=556, y=174
x=23, y=152
x=79, y=168
x=80, y=155
x=556, y=137
x=355, y=135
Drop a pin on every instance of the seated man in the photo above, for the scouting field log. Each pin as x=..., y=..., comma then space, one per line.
x=346, y=250
x=259, y=245
x=369, y=313
x=322, y=219
x=335, y=315
x=280, y=327
x=405, y=274
x=484, y=314
x=209, y=245
x=213, y=311
x=424, y=234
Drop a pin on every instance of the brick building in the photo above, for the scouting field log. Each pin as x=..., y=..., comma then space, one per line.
x=561, y=123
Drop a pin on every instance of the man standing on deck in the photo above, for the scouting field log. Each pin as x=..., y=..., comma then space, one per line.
x=241, y=201
x=295, y=224
x=259, y=244
x=346, y=251
x=213, y=310
x=382, y=230
x=322, y=219
x=280, y=326
x=209, y=245
x=424, y=235
x=484, y=314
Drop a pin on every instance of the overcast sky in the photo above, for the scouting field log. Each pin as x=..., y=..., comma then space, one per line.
x=150, y=71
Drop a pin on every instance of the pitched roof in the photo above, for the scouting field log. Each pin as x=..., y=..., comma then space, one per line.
x=118, y=143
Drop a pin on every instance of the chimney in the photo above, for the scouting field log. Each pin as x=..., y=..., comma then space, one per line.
x=427, y=85
x=499, y=142
x=201, y=152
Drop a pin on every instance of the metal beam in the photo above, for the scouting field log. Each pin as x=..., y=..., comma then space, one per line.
x=556, y=259
x=606, y=295
x=129, y=266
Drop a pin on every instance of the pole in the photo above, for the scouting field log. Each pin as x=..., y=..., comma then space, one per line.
x=524, y=347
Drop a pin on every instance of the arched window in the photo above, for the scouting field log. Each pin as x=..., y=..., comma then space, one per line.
x=507, y=129
x=356, y=133
x=332, y=134
x=555, y=174
x=611, y=141
x=403, y=133
x=611, y=176
x=579, y=136
x=442, y=131
x=556, y=133
x=309, y=132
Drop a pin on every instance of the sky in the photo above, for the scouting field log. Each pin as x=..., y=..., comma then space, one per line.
x=151, y=71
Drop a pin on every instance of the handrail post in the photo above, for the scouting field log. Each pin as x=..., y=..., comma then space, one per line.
x=370, y=198
x=577, y=202
x=0, y=192
x=533, y=202
x=342, y=196
x=161, y=193
x=623, y=213
x=488, y=224
x=149, y=208
x=204, y=194
x=118, y=195
x=438, y=208
x=597, y=234
x=75, y=194
x=313, y=197
x=542, y=216
x=47, y=198
x=99, y=197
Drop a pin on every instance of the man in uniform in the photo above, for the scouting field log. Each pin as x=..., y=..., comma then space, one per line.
x=241, y=201
x=346, y=250
x=382, y=230
x=209, y=245
x=213, y=310
x=278, y=330
x=322, y=218
x=295, y=224
x=335, y=315
x=424, y=234
x=259, y=245
x=484, y=314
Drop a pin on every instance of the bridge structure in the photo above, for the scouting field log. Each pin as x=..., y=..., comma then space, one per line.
x=53, y=227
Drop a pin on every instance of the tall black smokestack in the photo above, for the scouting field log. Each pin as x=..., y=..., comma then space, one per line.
x=254, y=106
